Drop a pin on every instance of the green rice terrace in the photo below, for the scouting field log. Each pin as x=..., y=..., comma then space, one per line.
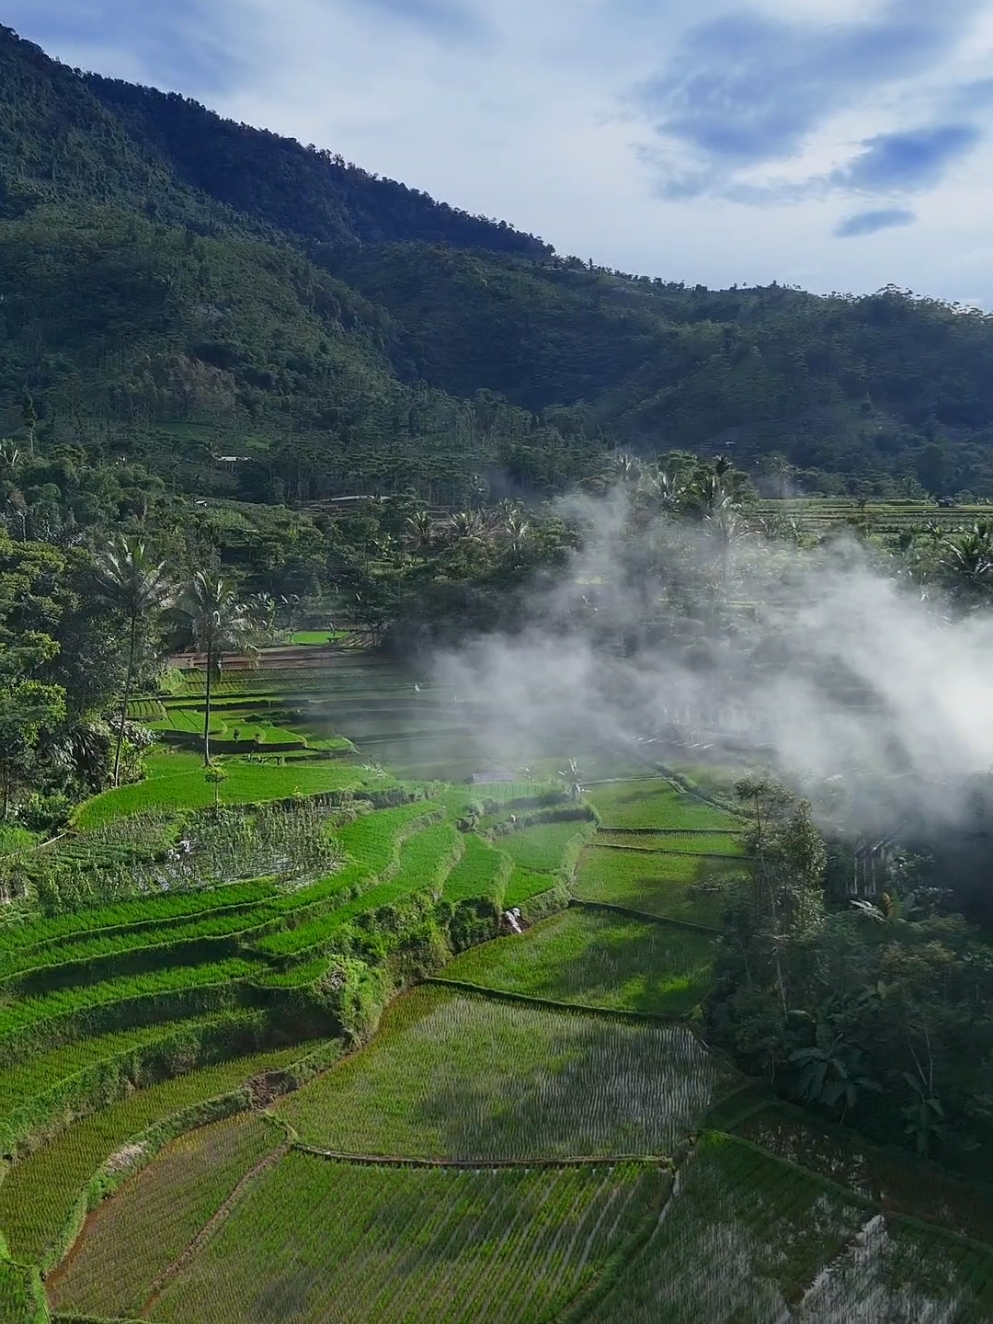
x=376, y=1031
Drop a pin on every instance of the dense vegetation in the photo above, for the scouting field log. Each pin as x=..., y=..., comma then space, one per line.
x=209, y=289
x=281, y=931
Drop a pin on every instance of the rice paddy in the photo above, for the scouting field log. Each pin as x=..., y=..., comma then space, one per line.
x=462, y=1077
x=657, y=803
x=359, y=1244
x=38, y=1193
x=596, y=960
x=162, y=1208
x=528, y=1152
x=683, y=887
x=746, y=1237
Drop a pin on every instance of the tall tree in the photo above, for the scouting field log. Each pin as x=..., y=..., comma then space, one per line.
x=138, y=587
x=213, y=618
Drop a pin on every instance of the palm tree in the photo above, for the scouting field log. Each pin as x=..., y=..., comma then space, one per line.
x=138, y=586
x=420, y=531
x=467, y=524
x=213, y=618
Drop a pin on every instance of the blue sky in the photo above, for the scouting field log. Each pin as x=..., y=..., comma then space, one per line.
x=834, y=144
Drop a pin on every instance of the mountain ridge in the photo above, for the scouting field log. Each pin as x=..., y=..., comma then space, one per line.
x=171, y=273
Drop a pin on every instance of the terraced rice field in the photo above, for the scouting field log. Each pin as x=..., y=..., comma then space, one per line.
x=657, y=803
x=38, y=1193
x=542, y=848
x=462, y=1077
x=247, y=783
x=596, y=960
x=374, y=1245
x=482, y=872
x=163, y=1208
x=681, y=886
x=747, y=1237
x=486, y=1156
x=673, y=843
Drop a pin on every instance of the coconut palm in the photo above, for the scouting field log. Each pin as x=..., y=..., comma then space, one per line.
x=213, y=618
x=137, y=585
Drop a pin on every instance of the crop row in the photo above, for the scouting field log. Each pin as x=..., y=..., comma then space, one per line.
x=455, y=1076
x=421, y=865
x=145, y=710
x=408, y=1245
x=109, y=954
x=750, y=1237
x=50, y=1086
x=38, y=1193
x=133, y=916
x=150, y=1222
x=372, y=844
x=482, y=872
x=29, y=1023
x=247, y=783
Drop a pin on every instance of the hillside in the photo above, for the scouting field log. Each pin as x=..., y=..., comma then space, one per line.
x=177, y=285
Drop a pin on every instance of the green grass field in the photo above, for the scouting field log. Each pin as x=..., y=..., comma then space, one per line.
x=596, y=960
x=323, y=1241
x=450, y=1076
x=163, y=1208
x=656, y=803
x=37, y=1194
x=679, y=886
x=524, y=884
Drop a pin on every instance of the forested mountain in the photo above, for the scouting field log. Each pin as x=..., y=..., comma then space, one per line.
x=174, y=286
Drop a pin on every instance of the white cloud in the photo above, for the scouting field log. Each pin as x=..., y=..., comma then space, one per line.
x=524, y=110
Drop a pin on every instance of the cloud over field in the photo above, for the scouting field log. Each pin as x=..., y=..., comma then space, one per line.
x=816, y=660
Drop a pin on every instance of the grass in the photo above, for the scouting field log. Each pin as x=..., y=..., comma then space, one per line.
x=542, y=848
x=482, y=872
x=682, y=887
x=406, y=1246
x=315, y=636
x=247, y=783
x=596, y=960
x=14, y=838
x=452, y=1076
x=656, y=803
x=19, y=1296
x=39, y=1191
x=162, y=1208
x=748, y=1237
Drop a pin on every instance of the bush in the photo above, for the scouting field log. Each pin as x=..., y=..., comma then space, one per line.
x=47, y=814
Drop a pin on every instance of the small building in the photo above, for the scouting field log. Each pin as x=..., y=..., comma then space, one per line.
x=492, y=775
